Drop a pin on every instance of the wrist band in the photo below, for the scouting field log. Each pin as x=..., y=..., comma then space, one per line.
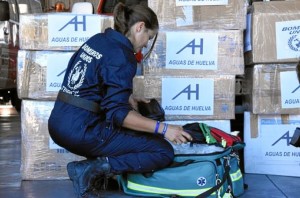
x=165, y=129
x=156, y=127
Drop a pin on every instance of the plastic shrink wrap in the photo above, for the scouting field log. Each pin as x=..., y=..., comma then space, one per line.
x=229, y=52
x=274, y=33
x=272, y=89
x=223, y=98
x=40, y=73
x=41, y=158
x=230, y=17
x=34, y=30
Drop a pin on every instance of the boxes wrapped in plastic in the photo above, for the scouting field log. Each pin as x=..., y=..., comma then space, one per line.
x=268, y=149
x=265, y=95
x=230, y=55
x=34, y=30
x=223, y=99
x=32, y=73
x=264, y=35
x=41, y=158
x=230, y=17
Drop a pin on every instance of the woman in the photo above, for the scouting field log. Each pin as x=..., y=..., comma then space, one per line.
x=95, y=113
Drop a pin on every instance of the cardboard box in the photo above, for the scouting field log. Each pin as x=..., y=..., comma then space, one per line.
x=274, y=33
x=41, y=158
x=231, y=16
x=190, y=98
x=202, y=52
x=268, y=150
x=40, y=73
x=60, y=31
x=272, y=89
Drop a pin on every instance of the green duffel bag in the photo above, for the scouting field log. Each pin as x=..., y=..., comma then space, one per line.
x=211, y=175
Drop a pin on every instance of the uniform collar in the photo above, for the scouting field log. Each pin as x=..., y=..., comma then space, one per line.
x=115, y=35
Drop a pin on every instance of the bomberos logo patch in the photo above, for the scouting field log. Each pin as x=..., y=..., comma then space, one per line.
x=294, y=43
x=76, y=76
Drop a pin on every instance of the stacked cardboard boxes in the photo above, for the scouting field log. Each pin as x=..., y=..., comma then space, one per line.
x=199, y=51
x=273, y=97
x=47, y=43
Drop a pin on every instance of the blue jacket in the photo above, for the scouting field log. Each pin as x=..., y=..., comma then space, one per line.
x=102, y=71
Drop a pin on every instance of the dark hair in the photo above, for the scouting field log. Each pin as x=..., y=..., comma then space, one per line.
x=126, y=16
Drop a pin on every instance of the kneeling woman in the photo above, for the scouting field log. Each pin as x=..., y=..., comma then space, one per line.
x=95, y=113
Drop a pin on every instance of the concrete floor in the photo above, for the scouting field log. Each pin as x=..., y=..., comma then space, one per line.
x=11, y=185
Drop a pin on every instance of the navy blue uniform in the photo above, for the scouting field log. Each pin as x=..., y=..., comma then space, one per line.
x=102, y=71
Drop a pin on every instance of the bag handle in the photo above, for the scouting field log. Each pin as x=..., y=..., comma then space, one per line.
x=216, y=187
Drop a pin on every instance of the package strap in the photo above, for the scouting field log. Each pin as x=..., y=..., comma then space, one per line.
x=216, y=187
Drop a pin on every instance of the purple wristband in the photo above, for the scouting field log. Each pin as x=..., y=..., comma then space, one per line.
x=165, y=129
x=156, y=127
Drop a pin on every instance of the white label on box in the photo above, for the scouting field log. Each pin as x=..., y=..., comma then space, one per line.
x=56, y=68
x=247, y=43
x=71, y=29
x=188, y=96
x=275, y=143
x=290, y=90
x=192, y=50
x=288, y=39
x=201, y=2
x=188, y=17
x=270, y=152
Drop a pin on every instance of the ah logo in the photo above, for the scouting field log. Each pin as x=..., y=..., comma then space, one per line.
x=192, y=44
x=201, y=181
x=188, y=91
x=74, y=21
x=61, y=73
x=285, y=137
x=294, y=43
x=296, y=89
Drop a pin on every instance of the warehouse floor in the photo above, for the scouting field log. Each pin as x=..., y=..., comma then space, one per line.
x=11, y=185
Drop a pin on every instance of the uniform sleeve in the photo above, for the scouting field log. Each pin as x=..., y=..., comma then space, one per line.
x=117, y=80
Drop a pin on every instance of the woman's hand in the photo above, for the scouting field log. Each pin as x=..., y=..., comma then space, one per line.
x=177, y=135
x=173, y=133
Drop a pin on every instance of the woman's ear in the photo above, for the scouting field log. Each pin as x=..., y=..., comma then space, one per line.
x=140, y=26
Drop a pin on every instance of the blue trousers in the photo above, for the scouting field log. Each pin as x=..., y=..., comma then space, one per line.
x=127, y=151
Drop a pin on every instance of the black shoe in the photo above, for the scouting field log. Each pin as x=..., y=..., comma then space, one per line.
x=83, y=172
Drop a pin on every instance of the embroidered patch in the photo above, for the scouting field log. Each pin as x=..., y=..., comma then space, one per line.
x=76, y=76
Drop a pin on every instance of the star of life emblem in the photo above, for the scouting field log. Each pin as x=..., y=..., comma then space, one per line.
x=201, y=181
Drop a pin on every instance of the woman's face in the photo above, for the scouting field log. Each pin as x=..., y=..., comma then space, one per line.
x=140, y=36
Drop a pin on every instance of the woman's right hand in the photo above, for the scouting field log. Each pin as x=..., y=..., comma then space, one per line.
x=177, y=135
